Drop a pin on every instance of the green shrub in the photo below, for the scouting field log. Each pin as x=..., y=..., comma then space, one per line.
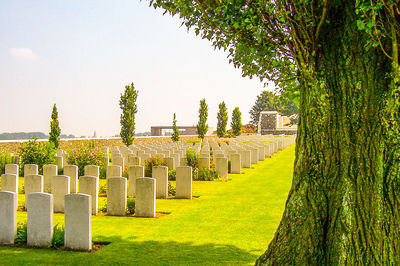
x=103, y=172
x=171, y=189
x=85, y=154
x=103, y=208
x=125, y=173
x=172, y=174
x=153, y=161
x=130, y=205
x=205, y=175
x=57, y=242
x=103, y=189
x=229, y=166
x=192, y=158
x=22, y=233
x=6, y=158
x=34, y=152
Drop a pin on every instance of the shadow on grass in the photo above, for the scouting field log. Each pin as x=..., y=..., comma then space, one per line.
x=131, y=251
x=172, y=253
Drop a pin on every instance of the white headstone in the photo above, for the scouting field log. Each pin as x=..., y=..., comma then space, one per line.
x=78, y=222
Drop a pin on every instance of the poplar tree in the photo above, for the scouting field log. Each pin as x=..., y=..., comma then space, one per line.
x=236, y=123
x=128, y=106
x=175, y=129
x=202, y=126
x=55, y=131
x=222, y=118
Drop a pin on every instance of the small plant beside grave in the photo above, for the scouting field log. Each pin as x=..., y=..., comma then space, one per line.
x=57, y=242
x=153, y=161
x=130, y=205
x=171, y=189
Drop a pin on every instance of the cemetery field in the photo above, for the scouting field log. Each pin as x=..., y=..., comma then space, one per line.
x=229, y=223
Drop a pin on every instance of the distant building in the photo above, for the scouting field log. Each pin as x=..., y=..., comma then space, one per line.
x=271, y=122
x=166, y=130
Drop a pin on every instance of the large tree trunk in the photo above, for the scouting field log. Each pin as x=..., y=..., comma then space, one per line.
x=343, y=207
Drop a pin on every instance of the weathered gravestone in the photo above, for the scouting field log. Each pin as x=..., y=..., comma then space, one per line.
x=145, y=205
x=8, y=217
x=40, y=219
x=184, y=182
x=116, y=196
x=78, y=222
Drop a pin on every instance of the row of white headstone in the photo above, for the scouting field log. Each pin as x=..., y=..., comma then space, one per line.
x=89, y=184
x=77, y=230
x=145, y=189
x=173, y=153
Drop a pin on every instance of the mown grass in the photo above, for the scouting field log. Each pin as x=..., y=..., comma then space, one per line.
x=231, y=223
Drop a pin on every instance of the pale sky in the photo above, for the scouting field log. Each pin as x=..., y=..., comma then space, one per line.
x=81, y=54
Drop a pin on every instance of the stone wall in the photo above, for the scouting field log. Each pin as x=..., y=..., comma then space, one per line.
x=268, y=120
x=271, y=122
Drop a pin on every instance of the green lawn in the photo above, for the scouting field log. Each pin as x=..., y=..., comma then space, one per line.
x=230, y=223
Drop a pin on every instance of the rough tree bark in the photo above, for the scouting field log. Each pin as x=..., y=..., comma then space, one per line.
x=343, y=206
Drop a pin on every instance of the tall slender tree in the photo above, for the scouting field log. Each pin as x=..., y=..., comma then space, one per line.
x=222, y=118
x=55, y=131
x=128, y=106
x=175, y=130
x=340, y=61
x=236, y=122
x=202, y=126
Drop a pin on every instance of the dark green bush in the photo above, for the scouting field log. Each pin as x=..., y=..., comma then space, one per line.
x=229, y=166
x=22, y=233
x=34, y=152
x=102, y=189
x=205, y=175
x=85, y=154
x=125, y=173
x=171, y=189
x=103, y=172
x=172, y=174
x=192, y=158
x=103, y=208
x=153, y=161
x=130, y=205
x=57, y=242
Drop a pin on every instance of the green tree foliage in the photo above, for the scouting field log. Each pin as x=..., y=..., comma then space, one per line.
x=6, y=158
x=175, y=129
x=222, y=118
x=236, y=122
x=127, y=103
x=269, y=101
x=202, y=126
x=340, y=61
x=54, y=135
x=34, y=152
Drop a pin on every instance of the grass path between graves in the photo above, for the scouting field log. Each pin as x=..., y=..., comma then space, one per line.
x=231, y=223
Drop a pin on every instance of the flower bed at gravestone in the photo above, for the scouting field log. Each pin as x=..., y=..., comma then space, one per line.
x=57, y=242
